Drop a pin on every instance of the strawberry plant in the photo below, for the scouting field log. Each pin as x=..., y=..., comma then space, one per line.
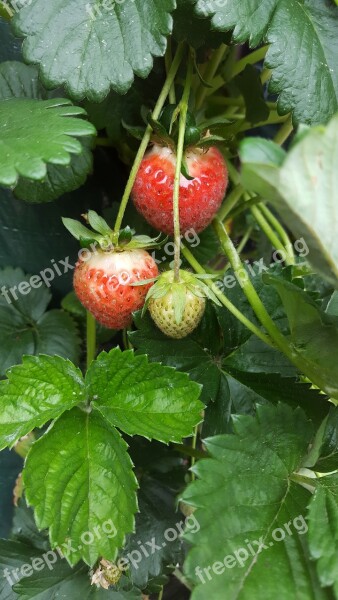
x=168, y=299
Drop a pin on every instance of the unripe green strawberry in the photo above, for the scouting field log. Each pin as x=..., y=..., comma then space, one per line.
x=162, y=311
x=177, y=305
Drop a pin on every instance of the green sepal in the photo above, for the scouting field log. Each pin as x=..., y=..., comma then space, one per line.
x=79, y=231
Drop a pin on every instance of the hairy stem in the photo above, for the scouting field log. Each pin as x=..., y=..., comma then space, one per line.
x=270, y=233
x=230, y=201
x=168, y=63
x=262, y=314
x=224, y=300
x=146, y=138
x=284, y=132
x=179, y=158
x=279, y=229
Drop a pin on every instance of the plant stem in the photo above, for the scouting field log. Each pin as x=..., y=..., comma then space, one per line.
x=160, y=596
x=189, y=451
x=168, y=63
x=147, y=135
x=182, y=578
x=224, y=300
x=250, y=59
x=270, y=233
x=5, y=13
x=265, y=75
x=250, y=292
x=284, y=132
x=210, y=73
x=279, y=229
x=179, y=158
x=230, y=201
x=91, y=339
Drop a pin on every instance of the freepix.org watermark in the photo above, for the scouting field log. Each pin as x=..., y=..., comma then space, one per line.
x=252, y=548
x=50, y=558
x=144, y=549
x=62, y=267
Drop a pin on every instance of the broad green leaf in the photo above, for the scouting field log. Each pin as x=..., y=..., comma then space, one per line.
x=303, y=190
x=85, y=493
x=309, y=187
x=303, y=38
x=313, y=333
x=39, y=390
x=323, y=527
x=121, y=37
x=144, y=398
x=260, y=172
x=26, y=327
x=34, y=133
x=245, y=497
x=21, y=81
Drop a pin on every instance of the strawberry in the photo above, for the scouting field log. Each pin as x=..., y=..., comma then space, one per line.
x=200, y=197
x=106, y=273
x=177, y=307
x=103, y=285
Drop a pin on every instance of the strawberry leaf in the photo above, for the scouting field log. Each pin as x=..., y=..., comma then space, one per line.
x=323, y=518
x=144, y=398
x=26, y=327
x=303, y=38
x=104, y=36
x=40, y=389
x=88, y=489
x=248, y=483
x=34, y=133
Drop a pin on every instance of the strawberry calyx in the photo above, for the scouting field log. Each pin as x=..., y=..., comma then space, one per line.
x=187, y=282
x=101, y=235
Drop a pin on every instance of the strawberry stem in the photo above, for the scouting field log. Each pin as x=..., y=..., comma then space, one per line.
x=209, y=74
x=146, y=138
x=224, y=300
x=168, y=62
x=91, y=338
x=183, y=108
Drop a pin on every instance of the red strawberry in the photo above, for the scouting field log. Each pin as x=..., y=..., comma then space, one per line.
x=200, y=198
x=103, y=284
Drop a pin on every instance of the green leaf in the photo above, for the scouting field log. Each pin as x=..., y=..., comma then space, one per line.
x=86, y=493
x=21, y=81
x=144, y=398
x=309, y=187
x=261, y=160
x=39, y=390
x=323, y=525
x=157, y=514
x=303, y=38
x=303, y=190
x=314, y=334
x=247, y=482
x=34, y=133
x=122, y=38
x=326, y=449
x=26, y=327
